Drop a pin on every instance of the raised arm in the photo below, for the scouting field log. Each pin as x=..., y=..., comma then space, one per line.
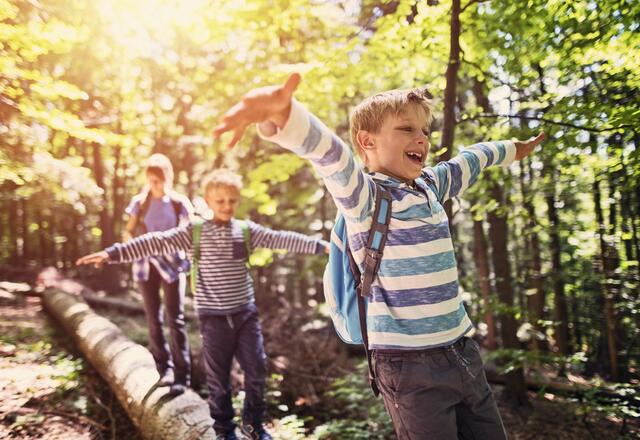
x=286, y=122
x=454, y=176
x=295, y=242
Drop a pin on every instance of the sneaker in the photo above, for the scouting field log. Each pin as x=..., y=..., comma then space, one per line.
x=176, y=389
x=231, y=435
x=166, y=378
x=255, y=432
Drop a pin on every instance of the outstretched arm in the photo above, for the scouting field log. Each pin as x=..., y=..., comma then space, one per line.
x=454, y=176
x=291, y=241
x=525, y=148
x=147, y=245
x=266, y=104
x=97, y=259
x=286, y=122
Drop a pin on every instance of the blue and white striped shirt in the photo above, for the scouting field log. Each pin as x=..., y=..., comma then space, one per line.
x=223, y=284
x=416, y=301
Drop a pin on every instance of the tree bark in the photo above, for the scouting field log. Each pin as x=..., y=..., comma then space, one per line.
x=451, y=77
x=481, y=259
x=14, y=254
x=109, y=276
x=117, y=186
x=498, y=232
x=535, y=301
x=608, y=257
x=130, y=371
x=42, y=239
x=560, y=302
x=26, y=241
x=561, y=317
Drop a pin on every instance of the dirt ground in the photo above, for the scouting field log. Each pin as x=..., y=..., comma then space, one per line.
x=48, y=392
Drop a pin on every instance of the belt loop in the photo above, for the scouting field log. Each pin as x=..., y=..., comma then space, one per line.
x=229, y=320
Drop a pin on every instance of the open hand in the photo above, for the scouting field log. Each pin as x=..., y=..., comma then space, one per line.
x=524, y=148
x=97, y=259
x=271, y=103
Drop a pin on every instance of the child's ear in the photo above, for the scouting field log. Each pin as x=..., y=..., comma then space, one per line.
x=365, y=144
x=365, y=140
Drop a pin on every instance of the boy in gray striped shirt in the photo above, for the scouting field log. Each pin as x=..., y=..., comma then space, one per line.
x=428, y=369
x=224, y=297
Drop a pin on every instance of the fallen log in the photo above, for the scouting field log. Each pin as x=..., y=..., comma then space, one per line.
x=130, y=371
x=120, y=304
x=576, y=390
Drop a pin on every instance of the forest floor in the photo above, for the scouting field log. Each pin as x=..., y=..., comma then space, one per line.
x=48, y=392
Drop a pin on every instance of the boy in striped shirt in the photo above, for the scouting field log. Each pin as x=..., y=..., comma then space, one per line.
x=224, y=297
x=428, y=369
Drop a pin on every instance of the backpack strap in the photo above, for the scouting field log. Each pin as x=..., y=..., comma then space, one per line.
x=140, y=228
x=177, y=208
x=377, y=239
x=246, y=236
x=196, y=232
x=373, y=256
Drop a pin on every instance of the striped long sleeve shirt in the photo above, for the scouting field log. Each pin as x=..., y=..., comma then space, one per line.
x=416, y=301
x=223, y=284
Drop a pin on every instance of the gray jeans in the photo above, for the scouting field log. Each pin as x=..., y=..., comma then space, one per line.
x=438, y=393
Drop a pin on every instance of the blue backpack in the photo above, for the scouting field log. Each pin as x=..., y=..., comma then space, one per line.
x=345, y=288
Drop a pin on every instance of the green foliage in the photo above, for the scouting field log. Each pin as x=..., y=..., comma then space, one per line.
x=620, y=401
x=355, y=412
x=88, y=90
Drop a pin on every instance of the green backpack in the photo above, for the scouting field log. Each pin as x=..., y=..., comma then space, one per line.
x=195, y=235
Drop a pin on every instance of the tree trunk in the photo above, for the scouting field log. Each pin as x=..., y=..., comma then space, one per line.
x=498, y=233
x=130, y=371
x=536, y=300
x=109, y=275
x=626, y=219
x=106, y=223
x=607, y=257
x=451, y=77
x=14, y=254
x=561, y=317
x=481, y=259
x=189, y=159
x=52, y=238
x=26, y=241
x=117, y=195
x=73, y=237
x=42, y=239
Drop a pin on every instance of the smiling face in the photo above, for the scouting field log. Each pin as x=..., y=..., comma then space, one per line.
x=223, y=201
x=400, y=146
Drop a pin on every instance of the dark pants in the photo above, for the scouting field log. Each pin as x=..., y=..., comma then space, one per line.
x=224, y=337
x=176, y=358
x=439, y=393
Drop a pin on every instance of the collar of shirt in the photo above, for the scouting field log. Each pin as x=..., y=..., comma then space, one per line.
x=221, y=222
x=395, y=182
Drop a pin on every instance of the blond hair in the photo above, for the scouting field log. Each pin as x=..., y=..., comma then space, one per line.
x=370, y=114
x=221, y=177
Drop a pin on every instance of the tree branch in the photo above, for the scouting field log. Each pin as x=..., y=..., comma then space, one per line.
x=546, y=121
x=492, y=76
x=471, y=2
